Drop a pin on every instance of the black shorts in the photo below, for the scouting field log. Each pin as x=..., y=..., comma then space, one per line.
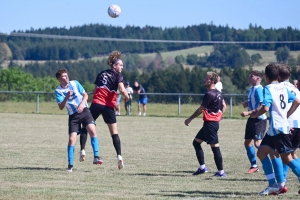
x=108, y=113
x=209, y=132
x=281, y=143
x=75, y=120
x=295, y=138
x=255, y=129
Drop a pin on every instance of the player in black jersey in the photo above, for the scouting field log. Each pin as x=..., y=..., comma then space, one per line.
x=213, y=106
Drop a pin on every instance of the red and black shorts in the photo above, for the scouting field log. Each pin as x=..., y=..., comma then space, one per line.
x=209, y=133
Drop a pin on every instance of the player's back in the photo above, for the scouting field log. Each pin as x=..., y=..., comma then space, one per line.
x=277, y=97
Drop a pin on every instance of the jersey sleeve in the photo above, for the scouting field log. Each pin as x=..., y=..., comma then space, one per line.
x=206, y=100
x=59, y=97
x=79, y=87
x=291, y=96
x=267, y=97
x=259, y=95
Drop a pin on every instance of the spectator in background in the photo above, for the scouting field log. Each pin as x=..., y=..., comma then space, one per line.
x=138, y=89
x=219, y=85
x=128, y=103
x=295, y=83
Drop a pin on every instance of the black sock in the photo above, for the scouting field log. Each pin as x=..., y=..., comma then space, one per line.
x=117, y=143
x=83, y=138
x=199, y=152
x=218, y=157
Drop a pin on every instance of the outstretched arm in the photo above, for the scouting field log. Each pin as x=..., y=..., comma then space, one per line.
x=194, y=115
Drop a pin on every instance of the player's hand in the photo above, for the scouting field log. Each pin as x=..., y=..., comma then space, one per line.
x=80, y=108
x=244, y=114
x=187, y=121
x=291, y=130
x=69, y=93
x=245, y=104
x=125, y=99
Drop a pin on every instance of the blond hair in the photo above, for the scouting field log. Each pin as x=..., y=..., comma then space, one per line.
x=213, y=76
x=113, y=58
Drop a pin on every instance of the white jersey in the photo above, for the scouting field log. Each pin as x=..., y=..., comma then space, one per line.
x=294, y=119
x=277, y=98
x=129, y=91
x=255, y=97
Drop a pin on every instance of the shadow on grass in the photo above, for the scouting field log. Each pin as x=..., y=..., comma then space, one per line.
x=203, y=194
x=33, y=168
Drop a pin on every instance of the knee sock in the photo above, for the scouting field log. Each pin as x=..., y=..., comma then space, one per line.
x=267, y=167
x=251, y=155
x=295, y=166
x=70, y=155
x=95, y=146
x=199, y=152
x=83, y=138
x=117, y=143
x=218, y=157
x=285, y=170
x=278, y=170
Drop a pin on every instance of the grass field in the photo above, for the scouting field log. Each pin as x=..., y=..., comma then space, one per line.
x=158, y=155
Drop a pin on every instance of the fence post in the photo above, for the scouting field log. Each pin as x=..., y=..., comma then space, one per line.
x=37, y=103
x=230, y=106
x=179, y=105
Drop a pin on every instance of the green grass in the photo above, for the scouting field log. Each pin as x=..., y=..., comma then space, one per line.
x=158, y=155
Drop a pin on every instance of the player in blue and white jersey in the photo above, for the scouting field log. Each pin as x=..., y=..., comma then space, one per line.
x=276, y=100
x=255, y=127
x=71, y=94
x=294, y=120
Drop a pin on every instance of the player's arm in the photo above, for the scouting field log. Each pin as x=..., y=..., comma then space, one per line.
x=294, y=106
x=83, y=102
x=123, y=91
x=194, y=115
x=247, y=113
x=62, y=104
x=224, y=106
x=259, y=111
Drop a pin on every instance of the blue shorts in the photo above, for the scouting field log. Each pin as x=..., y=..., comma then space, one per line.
x=143, y=100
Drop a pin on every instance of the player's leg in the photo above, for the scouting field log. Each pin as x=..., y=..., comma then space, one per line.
x=262, y=154
x=139, y=106
x=73, y=124
x=111, y=121
x=278, y=171
x=200, y=137
x=145, y=101
x=83, y=138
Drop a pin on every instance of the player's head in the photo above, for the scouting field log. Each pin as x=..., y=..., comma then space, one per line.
x=115, y=62
x=272, y=72
x=285, y=72
x=255, y=77
x=211, y=78
x=62, y=76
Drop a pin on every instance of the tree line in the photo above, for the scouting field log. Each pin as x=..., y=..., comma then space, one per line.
x=25, y=48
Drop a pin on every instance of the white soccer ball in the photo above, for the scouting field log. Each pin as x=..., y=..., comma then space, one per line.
x=114, y=11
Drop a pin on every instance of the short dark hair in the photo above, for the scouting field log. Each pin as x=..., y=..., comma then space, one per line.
x=272, y=71
x=257, y=73
x=285, y=71
x=59, y=72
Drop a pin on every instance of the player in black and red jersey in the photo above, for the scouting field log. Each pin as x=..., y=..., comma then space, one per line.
x=104, y=100
x=213, y=106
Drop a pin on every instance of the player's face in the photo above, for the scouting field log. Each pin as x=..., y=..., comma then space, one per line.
x=253, y=79
x=207, y=81
x=64, y=79
x=118, y=66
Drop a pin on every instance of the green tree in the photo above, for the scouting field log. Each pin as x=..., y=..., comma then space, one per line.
x=282, y=54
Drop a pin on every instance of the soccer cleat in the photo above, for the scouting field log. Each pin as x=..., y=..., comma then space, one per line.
x=140, y=113
x=82, y=155
x=144, y=114
x=200, y=171
x=269, y=190
x=97, y=161
x=70, y=168
x=252, y=170
x=120, y=162
x=218, y=174
x=282, y=190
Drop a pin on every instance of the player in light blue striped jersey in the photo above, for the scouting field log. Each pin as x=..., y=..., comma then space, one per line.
x=255, y=127
x=276, y=100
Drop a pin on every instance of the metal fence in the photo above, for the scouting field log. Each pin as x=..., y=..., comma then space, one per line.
x=179, y=96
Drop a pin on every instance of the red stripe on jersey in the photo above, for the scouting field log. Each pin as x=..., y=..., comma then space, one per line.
x=212, y=117
x=105, y=97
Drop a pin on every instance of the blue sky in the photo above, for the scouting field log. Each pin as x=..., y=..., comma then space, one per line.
x=24, y=14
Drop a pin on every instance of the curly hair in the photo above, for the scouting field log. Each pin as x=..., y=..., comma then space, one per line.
x=59, y=72
x=213, y=76
x=113, y=58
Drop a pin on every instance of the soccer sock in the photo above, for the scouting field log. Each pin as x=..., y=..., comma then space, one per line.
x=199, y=152
x=251, y=155
x=267, y=167
x=83, y=138
x=116, y=143
x=278, y=170
x=70, y=154
x=285, y=170
x=295, y=166
x=218, y=157
x=95, y=146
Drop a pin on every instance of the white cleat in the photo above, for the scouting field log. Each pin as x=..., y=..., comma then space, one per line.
x=269, y=190
x=82, y=155
x=120, y=162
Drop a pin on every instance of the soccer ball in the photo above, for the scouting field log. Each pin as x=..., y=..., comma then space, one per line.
x=114, y=11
